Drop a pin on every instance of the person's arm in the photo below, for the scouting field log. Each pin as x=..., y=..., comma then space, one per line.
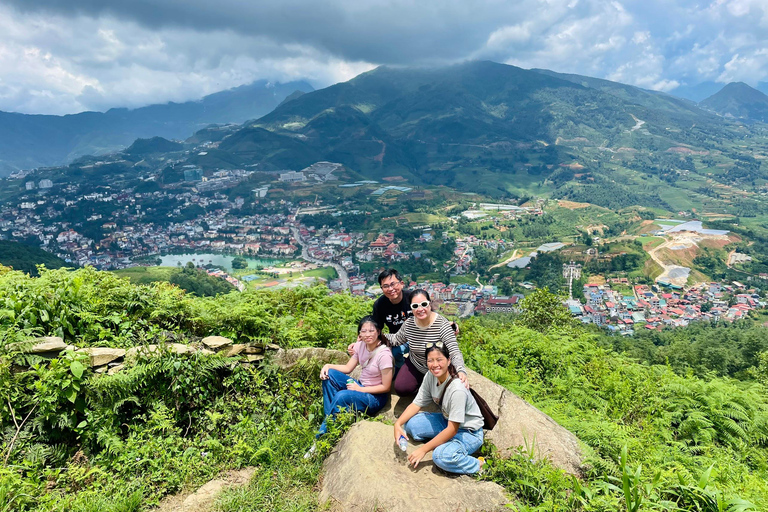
x=394, y=340
x=386, y=384
x=443, y=437
x=457, y=358
x=408, y=413
x=343, y=368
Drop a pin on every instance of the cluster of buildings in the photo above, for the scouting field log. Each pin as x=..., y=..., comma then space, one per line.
x=228, y=278
x=657, y=307
x=126, y=232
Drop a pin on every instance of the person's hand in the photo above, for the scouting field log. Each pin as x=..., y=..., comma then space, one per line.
x=416, y=455
x=354, y=386
x=463, y=379
x=399, y=431
x=324, y=372
x=351, y=347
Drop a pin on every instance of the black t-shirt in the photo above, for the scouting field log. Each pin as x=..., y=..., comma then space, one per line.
x=392, y=315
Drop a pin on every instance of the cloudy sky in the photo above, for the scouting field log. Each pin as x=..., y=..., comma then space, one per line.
x=65, y=56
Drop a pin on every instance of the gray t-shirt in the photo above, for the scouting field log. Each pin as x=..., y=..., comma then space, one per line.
x=458, y=403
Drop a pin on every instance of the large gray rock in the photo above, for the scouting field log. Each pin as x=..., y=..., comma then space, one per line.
x=101, y=356
x=367, y=471
x=523, y=425
x=216, y=342
x=520, y=425
x=46, y=345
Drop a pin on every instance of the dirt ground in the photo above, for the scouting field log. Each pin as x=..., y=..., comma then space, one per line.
x=572, y=205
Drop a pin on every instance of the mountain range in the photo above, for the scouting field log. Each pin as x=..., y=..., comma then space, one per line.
x=504, y=131
x=29, y=141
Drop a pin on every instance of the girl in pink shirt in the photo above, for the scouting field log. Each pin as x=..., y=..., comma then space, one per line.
x=370, y=393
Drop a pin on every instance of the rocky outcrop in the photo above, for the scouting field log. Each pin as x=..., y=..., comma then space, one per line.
x=101, y=356
x=45, y=346
x=367, y=471
x=520, y=423
x=216, y=342
x=106, y=360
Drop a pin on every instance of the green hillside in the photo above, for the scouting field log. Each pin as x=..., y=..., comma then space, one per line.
x=506, y=132
x=121, y=442
x=26, y=257
x=29, y=141
x=739, y=100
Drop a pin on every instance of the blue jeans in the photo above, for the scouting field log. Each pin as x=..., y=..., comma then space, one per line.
x=336, y=397
x=398, y=353
x=455, y=456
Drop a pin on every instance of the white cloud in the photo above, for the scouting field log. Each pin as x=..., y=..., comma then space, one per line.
x=510, y=34
x=59, y=57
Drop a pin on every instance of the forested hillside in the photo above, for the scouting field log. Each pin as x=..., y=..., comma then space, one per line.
x=26, y=257
x=75, y=440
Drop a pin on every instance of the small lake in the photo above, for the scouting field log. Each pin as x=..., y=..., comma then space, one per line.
x=220, y=260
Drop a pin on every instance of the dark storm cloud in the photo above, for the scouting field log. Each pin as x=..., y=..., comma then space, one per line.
x=64, y=56
x=387, y=32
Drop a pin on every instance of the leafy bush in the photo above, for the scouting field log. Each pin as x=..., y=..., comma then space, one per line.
x=70, y=437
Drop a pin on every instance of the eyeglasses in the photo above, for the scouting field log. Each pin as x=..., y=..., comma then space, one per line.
x=438, y=344
x=417, y=305
x=393, y=285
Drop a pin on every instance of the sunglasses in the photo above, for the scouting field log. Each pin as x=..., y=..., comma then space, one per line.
x=417, y=305
x=438, y=344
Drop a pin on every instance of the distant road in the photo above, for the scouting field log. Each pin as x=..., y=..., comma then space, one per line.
x=511, y=258
x=305, y=256
x=467, y=310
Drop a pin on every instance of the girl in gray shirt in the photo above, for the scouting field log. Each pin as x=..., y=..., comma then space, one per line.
x=456, y=432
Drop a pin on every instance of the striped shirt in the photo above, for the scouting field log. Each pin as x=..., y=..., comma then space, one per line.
x=418, y=337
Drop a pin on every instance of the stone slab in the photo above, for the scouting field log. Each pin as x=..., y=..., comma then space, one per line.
x=367, y=471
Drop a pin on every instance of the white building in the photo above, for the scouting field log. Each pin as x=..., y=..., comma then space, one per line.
x=292, y=176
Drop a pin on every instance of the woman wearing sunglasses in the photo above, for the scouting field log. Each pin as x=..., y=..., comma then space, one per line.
x=371, y=392
x=425, y=326
x=456, y=432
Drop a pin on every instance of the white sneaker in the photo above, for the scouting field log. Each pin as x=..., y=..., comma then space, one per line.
x=311, y=451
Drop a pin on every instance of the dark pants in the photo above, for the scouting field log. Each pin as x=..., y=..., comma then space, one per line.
x=408, y=379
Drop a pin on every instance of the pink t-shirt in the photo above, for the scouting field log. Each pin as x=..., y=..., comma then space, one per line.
x=372, y=366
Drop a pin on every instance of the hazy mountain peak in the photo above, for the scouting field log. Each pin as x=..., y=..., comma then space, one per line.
x=28, y=141
x=739, y=100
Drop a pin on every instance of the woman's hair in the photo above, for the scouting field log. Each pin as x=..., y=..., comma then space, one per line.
x=421, y=291
x=444, y=350
x=368, y=319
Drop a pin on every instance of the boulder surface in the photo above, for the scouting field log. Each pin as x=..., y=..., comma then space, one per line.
x=216, y=342
x=367, y=471
x=520, y=423
x=102, y=355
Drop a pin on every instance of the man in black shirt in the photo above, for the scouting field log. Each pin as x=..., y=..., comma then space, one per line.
x=392, y=309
